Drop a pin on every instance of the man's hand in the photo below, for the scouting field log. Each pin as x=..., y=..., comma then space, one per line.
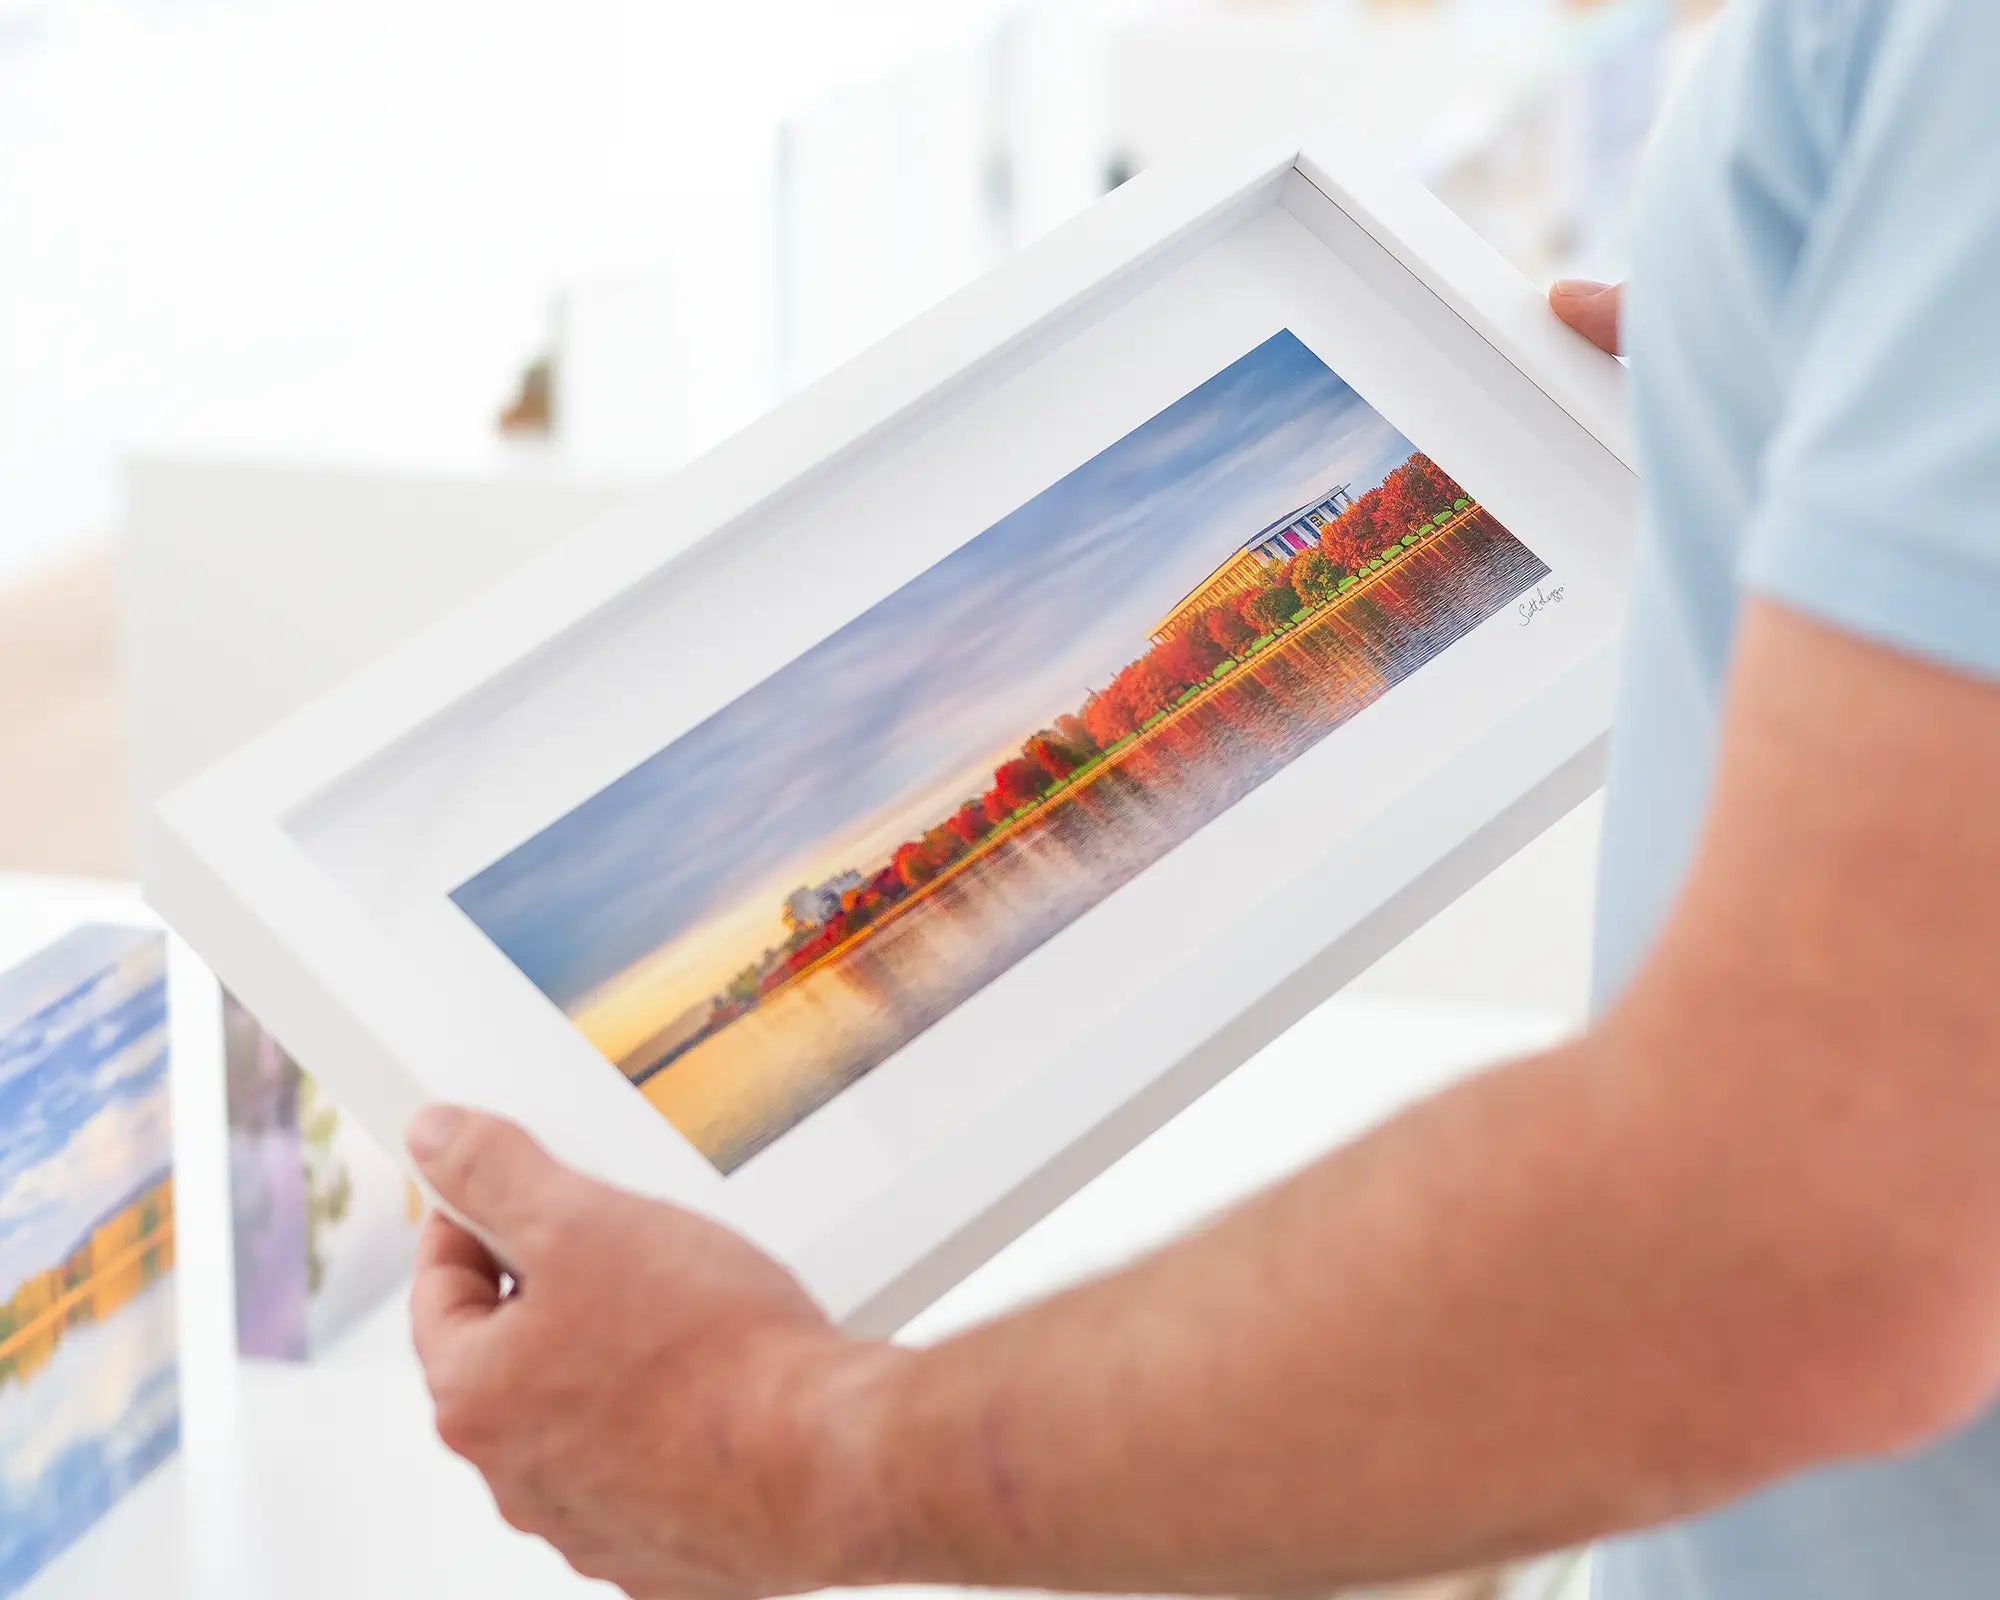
x=656, y=1398
x=1592, y=308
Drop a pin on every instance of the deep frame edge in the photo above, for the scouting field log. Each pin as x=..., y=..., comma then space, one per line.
x=1485, y=290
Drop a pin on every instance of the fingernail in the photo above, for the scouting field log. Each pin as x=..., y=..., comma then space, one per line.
x=431, y=1129
x=1579, y=289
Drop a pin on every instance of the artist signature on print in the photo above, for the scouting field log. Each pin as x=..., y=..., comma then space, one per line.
x=1538, y=602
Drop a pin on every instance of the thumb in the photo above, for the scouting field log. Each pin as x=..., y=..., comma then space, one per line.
x=490, y=1171
x=1593, y=309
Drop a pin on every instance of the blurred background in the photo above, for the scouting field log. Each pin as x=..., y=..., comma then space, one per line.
x=316, y=317
x=388, y=244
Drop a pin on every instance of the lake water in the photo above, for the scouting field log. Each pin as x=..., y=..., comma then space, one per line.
x=77, y=1434
x=738, y=1090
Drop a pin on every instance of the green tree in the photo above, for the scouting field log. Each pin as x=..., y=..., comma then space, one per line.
x=1314, y=577
x=1270, y=609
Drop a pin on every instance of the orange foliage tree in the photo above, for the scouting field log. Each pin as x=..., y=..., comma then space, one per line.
x=1188, y=658
x=1147, y=687
x=1225, y=625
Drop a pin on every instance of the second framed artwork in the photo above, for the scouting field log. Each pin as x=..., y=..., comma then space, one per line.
x=868, y=835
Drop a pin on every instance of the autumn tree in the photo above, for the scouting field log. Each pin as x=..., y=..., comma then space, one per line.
x=1430, y=486
x=1188, y=658
x=1147, y=687
x=970, y=823
x=1078, y=736
x=1400, y=510
x=942, y=845
x=1053, y=754
x=1225, y=625
x=1019, y=781
x=1349, y=541
x=912, y=867
x=1107, y=716
x=1270, y=609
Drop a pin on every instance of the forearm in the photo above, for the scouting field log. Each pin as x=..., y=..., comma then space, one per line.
x=1394, y=1363
x=1530, y=1311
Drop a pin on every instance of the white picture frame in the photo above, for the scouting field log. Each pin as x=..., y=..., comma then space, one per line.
x=314, y=869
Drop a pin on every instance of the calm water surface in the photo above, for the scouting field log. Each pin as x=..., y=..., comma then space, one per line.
x=735, y=1092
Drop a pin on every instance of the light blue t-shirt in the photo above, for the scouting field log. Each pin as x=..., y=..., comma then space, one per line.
x=1814, y=330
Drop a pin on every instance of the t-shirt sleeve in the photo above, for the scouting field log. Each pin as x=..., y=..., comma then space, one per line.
x=1879, y=509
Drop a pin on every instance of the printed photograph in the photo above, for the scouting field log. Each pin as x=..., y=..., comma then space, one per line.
x=325, y=1222
x=761, y=913
x=89, y=1360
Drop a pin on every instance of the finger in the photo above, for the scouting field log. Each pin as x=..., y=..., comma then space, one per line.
x=1594, y=309
x=490, y=1172
x=457, y=1285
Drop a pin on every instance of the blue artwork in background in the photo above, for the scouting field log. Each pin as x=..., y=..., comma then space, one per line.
x=89, y=1371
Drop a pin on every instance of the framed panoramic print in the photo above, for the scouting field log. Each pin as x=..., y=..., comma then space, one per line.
x=869, y=834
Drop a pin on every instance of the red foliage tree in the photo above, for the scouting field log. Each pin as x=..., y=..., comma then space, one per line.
x=1147, y=687
x=1052, y=754
x=1188, y=657
x=1225, y=625
x=1399, y=511
x=1108, y=717
x=1430, y=486
x=970, y=823
x=1018, y=781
